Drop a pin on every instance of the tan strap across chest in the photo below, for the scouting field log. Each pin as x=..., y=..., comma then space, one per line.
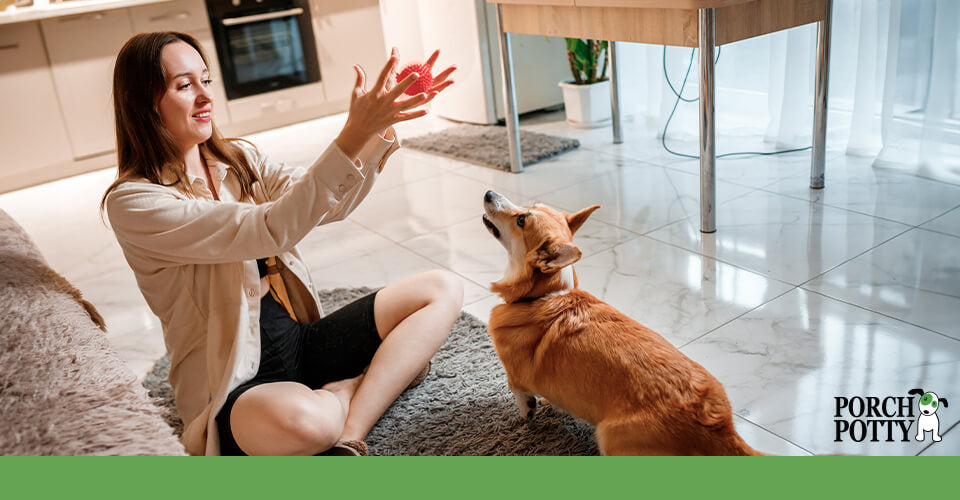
x=277, y=288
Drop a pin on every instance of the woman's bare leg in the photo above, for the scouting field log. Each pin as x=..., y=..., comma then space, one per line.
x=287, y=418
x=413, y=318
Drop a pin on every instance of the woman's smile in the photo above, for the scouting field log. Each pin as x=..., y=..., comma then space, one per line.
x=186, y=106
x=203, y=116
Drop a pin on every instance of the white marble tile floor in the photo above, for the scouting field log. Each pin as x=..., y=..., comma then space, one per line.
x=802, y=297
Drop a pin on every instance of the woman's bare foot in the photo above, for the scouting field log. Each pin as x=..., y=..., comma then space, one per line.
x=344, y=391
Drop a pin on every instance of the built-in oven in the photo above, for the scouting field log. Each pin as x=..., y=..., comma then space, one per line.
x=263, y=45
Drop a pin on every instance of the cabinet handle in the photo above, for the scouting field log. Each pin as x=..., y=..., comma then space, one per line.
x=10, y=46
x=180, y=15
x=232, y=21
x=95, y=16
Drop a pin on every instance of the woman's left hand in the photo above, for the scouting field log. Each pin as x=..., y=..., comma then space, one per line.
x=440, y=82
x=377, y=110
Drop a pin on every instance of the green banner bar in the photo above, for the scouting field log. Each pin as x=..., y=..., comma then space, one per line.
x=455, y=477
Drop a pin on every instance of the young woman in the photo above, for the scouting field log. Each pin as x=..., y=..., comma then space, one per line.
x=255, y=365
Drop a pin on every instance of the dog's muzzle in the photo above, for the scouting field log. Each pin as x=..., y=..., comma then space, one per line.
x=493, y=229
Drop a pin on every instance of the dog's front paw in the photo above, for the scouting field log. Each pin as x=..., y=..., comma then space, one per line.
x=527, y=402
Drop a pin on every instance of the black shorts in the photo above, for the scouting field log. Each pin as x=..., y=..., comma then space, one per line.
x=336, y=347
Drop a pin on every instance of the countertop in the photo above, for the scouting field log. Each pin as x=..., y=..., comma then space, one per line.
x=67, y=8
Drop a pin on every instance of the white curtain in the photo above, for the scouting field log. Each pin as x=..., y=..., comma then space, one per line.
x=894, y=87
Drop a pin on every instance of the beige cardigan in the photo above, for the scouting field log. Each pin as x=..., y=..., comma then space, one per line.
x=195, y=263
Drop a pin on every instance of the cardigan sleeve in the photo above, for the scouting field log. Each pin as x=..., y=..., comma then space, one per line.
x=158, y=222
x=278, y=178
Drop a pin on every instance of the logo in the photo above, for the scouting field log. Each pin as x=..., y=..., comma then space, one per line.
x=928, y=420
x=888, y=419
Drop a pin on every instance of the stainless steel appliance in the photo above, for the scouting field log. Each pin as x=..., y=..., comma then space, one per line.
x=263, y=45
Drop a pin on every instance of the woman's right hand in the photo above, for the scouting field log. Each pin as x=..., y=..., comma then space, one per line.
x=373, y=111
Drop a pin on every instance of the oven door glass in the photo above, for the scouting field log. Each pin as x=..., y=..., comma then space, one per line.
x=266, y=55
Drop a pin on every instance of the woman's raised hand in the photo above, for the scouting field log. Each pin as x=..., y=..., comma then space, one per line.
x=442, y=80
x=374, y=111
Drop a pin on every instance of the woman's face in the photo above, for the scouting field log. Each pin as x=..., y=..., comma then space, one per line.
x=187, y=104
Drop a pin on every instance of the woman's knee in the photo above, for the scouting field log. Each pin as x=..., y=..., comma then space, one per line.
x=313, y=423
x=444, y=288
x=302, y=424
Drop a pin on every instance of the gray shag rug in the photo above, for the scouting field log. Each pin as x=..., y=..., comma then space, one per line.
x=462, y=408
x=487, y=145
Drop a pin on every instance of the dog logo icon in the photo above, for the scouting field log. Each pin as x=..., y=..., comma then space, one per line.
x=928, y=420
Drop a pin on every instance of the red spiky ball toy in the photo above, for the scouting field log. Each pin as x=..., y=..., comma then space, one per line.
x=423, y=84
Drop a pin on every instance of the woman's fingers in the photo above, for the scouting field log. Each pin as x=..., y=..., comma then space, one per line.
x=433, y=58
x=442, y=77
x=358, y=86
x=402, y=117
x=391, y=80
x=431, y=94
x=414, y=101
x=439, y=87
x=402, y=87
x=388, y=68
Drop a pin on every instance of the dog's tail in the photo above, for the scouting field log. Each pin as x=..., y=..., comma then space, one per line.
x=716, y=415
x=741, y=448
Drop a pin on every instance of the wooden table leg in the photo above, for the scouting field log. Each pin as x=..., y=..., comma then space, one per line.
x=708, y=150
x=818, y=158
x=509, y=97
x=615, y=93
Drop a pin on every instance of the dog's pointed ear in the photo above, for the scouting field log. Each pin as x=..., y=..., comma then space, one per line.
x=553, y=256
x=577, y=219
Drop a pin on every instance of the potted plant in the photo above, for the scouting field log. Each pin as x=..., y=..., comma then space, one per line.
x=586, y=97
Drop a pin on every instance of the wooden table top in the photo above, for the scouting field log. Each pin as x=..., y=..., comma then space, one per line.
x=637, y=4
x=661, y=22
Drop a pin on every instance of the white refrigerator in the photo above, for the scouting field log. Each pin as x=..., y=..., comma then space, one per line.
x=465, y=31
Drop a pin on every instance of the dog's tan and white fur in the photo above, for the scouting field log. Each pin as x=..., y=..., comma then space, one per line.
x=640, y=392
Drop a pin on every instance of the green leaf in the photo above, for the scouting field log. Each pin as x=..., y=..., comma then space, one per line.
x=582, y=51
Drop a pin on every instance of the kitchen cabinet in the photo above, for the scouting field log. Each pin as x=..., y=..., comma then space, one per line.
x=82, y=51
x=180, y=15
x=190, y=17
x=32, y=135
x=348, y=32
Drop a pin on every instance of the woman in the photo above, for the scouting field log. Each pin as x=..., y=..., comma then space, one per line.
x=255, y=366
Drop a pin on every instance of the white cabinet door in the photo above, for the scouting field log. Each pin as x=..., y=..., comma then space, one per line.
x=32, y=135
x=188, y=16
x=179, y=15
x=83, y=49
x=348, y=32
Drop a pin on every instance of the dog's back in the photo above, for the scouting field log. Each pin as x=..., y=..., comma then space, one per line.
x=644, y=395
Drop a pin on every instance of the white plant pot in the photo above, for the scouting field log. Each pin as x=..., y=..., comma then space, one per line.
x=587, y=106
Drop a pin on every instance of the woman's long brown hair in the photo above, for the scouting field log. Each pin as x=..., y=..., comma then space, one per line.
x=145, y=149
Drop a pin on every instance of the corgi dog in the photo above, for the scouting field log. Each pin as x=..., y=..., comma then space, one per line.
x=643, y=396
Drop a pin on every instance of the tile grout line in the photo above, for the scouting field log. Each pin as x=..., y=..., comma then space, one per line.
x=935, y=218
x=878, y=245
x=795, y=197
x=879, y=313
x=927, y=447
x=774, y=433
x=731, y=320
